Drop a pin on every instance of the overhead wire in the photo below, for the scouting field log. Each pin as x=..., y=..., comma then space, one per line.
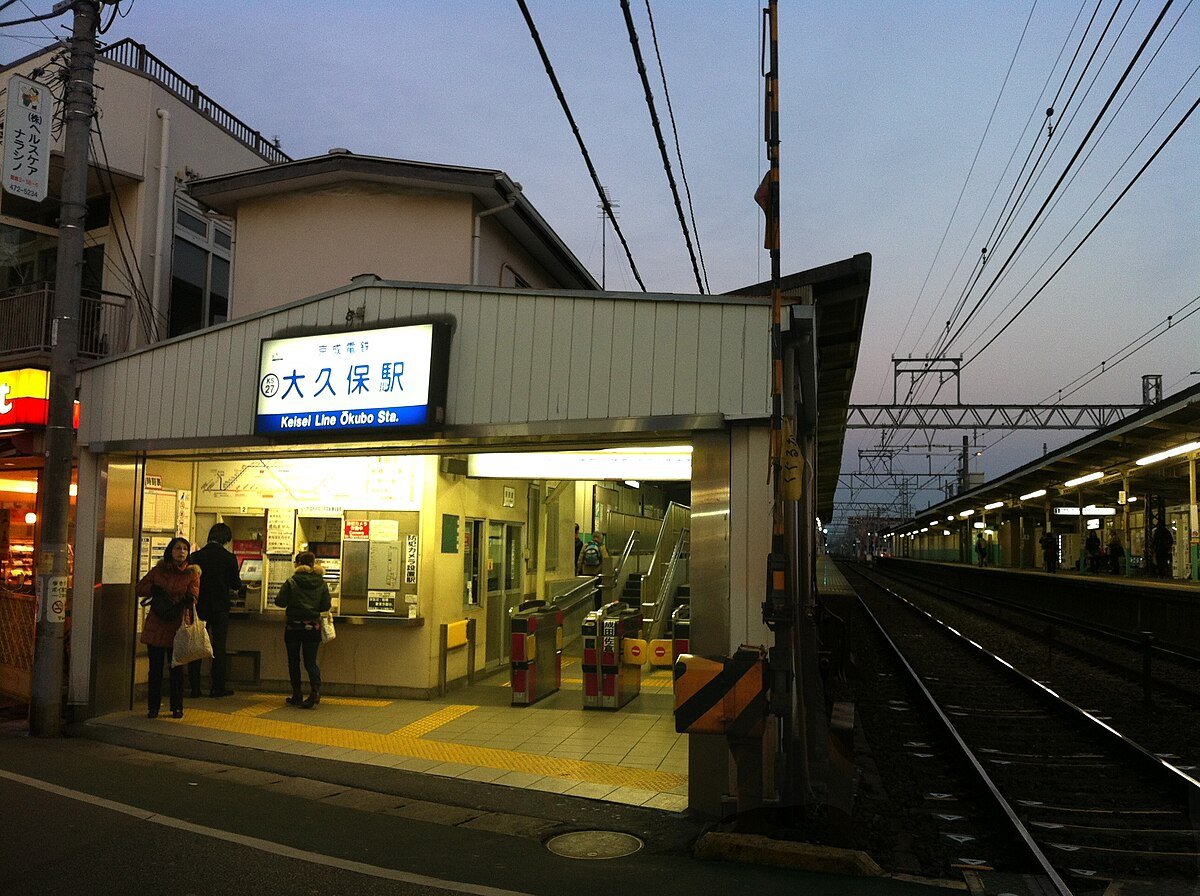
x=678, y=152
x=1091, y=147
x=1065, y=172
x=558, y=91
x=966, y=181
x=635, y=44
x=148, y=315
x=1092, y=204
x=1091, y=230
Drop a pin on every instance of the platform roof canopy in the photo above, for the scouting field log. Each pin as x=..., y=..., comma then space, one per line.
x=1114, y=451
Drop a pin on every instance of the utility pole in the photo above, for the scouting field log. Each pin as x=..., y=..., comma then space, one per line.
x=53, y=563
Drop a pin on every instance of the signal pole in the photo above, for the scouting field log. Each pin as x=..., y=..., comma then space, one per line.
x=53, y=562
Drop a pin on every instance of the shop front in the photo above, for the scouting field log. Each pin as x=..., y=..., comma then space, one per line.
x=24, y=402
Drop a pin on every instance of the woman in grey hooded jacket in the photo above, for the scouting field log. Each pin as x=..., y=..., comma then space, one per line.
x=305, y=596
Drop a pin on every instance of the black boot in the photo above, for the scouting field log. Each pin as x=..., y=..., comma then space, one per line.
x=297, y=699
x=313, y=699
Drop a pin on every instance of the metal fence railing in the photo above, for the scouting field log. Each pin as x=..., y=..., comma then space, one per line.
x=133, y=55
x=27, y=312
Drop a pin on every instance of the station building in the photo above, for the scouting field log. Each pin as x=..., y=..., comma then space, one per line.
x=400, y=366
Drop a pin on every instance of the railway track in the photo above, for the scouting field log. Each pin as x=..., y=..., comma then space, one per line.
x=1161, y=668
x=1086, y=809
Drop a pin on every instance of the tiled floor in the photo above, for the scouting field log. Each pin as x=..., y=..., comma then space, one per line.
x=631, y=755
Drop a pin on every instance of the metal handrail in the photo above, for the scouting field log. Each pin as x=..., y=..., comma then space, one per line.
x=568, y=599
x=131, y=54
x=670, y=582
x=676, y=518
x=620, y=577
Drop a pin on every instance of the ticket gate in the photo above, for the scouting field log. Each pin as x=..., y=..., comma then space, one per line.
x=536, y=655
x=613, y=655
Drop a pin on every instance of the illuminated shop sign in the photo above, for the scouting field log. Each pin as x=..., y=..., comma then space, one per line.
x=25, y=398
x=368, y=379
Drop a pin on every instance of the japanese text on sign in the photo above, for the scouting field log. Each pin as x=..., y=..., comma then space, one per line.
x=380, y=378
x=26, y=154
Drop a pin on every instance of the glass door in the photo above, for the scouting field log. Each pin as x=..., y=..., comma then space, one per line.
x=505, y=582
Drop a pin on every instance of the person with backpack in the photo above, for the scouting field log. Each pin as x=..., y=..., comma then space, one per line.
x=592, y=556
x=305, y=596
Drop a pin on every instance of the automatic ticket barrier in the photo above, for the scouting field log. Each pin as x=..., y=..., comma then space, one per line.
x=536, y=651
x=613, y=655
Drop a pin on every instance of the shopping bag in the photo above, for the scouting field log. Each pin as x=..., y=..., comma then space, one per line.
x=191, y=641
x=328, y=633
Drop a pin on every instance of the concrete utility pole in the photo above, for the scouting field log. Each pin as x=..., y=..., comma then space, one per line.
x=53, y=571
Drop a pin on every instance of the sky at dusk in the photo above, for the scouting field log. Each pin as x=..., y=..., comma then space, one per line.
x=905, y=128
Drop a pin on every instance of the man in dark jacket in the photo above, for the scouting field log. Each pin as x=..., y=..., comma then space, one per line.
x=219, y=581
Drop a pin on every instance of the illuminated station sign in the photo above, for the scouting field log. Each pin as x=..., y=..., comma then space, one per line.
x=390, y=378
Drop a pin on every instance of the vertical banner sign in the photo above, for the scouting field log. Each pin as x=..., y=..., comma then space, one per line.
x=26, y=149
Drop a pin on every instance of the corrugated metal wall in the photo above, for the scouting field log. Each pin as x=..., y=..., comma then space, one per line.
x=516, y=358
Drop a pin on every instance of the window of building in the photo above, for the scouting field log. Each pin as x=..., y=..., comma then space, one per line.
x=200, y=269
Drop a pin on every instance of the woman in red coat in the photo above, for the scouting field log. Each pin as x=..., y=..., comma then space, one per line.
x=181, y=582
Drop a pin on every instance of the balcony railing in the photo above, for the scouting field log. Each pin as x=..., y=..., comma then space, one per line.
x=26, y=314
x=135, y=56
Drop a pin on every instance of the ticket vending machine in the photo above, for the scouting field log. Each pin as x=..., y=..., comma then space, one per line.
x=613, y=654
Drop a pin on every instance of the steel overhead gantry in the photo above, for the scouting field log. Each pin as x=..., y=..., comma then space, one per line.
x=987, y=416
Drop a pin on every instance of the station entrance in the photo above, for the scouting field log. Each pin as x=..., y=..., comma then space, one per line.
x=563, y=661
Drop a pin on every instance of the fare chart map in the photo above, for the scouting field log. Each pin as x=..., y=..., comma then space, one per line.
x=364, y=483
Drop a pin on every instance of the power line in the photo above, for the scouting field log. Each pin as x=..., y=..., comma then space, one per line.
x=678, y=152
x=662, y=146
x=558, y=91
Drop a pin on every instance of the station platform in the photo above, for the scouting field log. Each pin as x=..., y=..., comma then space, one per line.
x=630, y=756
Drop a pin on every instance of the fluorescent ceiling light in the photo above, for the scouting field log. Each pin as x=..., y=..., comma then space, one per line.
x=1170, y=452
x=945, y=531
x=934, y=522
x=993, y=505
x=1037, y=494
x=1080, y=480
x=643, y=464
x=967, y=513
x=981, y=525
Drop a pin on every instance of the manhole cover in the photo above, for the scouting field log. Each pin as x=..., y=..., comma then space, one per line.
x=594, y=845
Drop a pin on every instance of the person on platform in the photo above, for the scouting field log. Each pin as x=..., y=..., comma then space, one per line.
x=1116, y=551
x=578, y=548
x=980, y=551
x=219, y=582
x=1091, y=547
x=1162, y=542
x=1049, y=551
x=180, y=581
x=305, y=596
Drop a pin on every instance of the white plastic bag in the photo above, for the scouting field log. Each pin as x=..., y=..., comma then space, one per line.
x=328, y=633
x=191, y=641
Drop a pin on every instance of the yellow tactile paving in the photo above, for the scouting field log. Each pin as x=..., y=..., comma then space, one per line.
x=408, y=745
x=265, y=703
x=433, y=721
